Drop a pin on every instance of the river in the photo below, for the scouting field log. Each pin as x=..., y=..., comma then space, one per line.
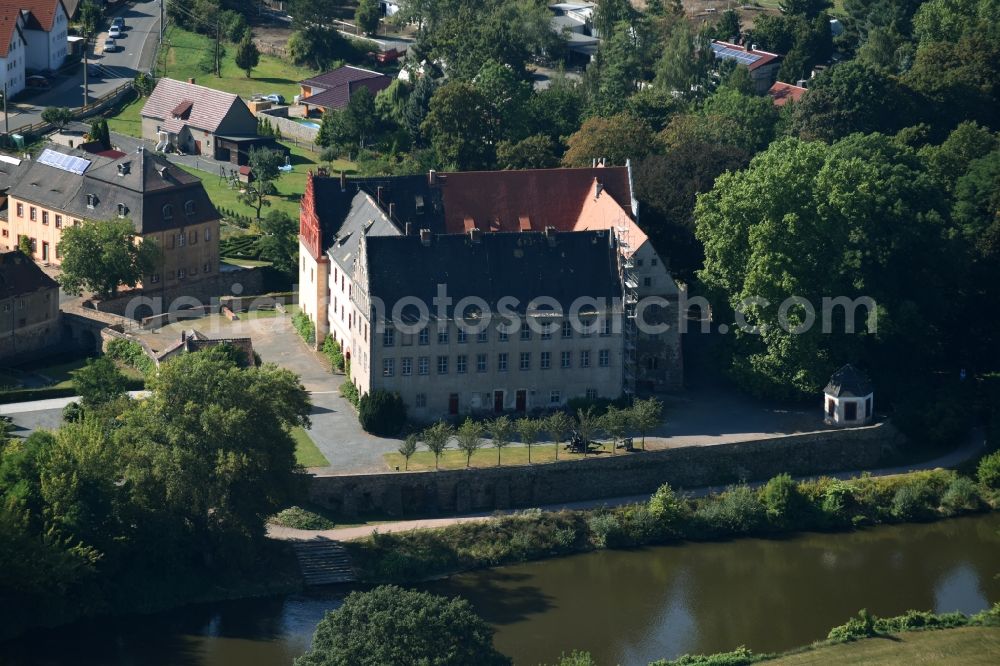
x=626, y=607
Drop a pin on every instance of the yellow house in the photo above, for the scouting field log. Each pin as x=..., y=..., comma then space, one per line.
x=64, y=187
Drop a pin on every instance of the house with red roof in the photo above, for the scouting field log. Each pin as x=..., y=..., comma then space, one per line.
x=333, y=90
x=783, y=93
x=13, y=49
x=43, y=26
x=763, y=65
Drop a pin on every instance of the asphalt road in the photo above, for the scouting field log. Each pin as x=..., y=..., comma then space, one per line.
x=135, y=54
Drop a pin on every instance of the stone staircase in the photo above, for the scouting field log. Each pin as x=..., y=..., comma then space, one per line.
x=324, y=562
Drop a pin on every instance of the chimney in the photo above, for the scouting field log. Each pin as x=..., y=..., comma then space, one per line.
x=475, y=235
x=191, y=80
x=408, y=229
x=801, y=83
x=124, y=168
x=343, y=181
x=425, y=237
x=749, y=45
x=432, y=177
x=550, y=235
x=392, y=210
x=183, y=335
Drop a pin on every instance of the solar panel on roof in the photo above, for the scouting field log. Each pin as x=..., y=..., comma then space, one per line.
x=739, y=55
x=71, y=163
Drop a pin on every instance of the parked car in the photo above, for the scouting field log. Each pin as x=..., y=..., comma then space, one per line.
x=274, y=98
x=115, y=32
x=37, y=81
x=110, y=45
x=118, y=22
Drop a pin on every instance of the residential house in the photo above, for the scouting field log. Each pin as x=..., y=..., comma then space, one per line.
x=13, y=48
x=168, y=206
x=45, y=29
x=783, y=93
x=334, y=89
x=574, y=21
x=763, y=65
x=192, y=119
x=29, y=307
x=339, y=215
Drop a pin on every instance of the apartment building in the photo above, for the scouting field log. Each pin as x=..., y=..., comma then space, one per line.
x=29, y=307
x=64, y=187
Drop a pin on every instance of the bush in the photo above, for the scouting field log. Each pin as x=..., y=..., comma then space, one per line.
x=736, y=511
x=72, y=412
x=302, y=519
x=960, y=496
x=669, y=509
x=862, y=626
x=130, y=353
x=738, y=657
x=350, y=391
x=605, y=530
x=914, y=501
x=382, y=413
x=988, y=471
x=303, y=324
x=333, y=352
x=784, y=503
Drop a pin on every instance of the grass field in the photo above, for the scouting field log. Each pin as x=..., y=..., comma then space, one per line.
x=452, y=458
x=272, y=75
x=61, y=374
x=306, y=453
x=128, y=121
x=970, y=646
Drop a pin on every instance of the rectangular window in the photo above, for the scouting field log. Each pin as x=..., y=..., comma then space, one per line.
x=567, y=329
x=154, y=278
x=585, y=358
x=525, y=331
x=647, y=282
x=208, y=234
x=388, y=337
x=461, y=363
x=525, y=361
x=423, y=365
x=58, y=221
x=443, y=337
x=483, y=336
x=32, y=213
x=564, y=360
x=420, y=400
x=502, y=361
x=442, y=365
x=423, y=337
x=546, y=360
x=193, y=237
x=606, y=326
x=604, y=358
x=591, y=394
x=388, y=367
x=654, y=261
x=207, y=268
x=481, y=362
x=170, y=241
x=462, y=336
x=406, y=366
x=547, y=331
x=20, y=210
x=182, y=241
x=5, y=233
x=638, y=263
x=555, y=398
x=45, y=217
x=502, y=335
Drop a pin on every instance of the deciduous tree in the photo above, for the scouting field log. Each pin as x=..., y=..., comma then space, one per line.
x=101, y=256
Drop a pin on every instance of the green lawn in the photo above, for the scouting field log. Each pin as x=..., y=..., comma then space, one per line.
x=61, y=374
x=128, y=121
x=970, y=646
x=453, y=458
x=272, y=75
x=306, y=453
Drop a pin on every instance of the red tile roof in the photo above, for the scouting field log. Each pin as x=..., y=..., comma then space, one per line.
x=338, y=85
x=529, y=199
x=209, y=108
x=43, y=12
x=739, y=52
x=782, y=93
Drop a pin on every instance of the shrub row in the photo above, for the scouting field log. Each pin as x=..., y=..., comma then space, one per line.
x=243, y=246
x=303, y=324
x=332, y=351
x=350, y=391
x=782, y=505
x=864, y=625
x=22, y=395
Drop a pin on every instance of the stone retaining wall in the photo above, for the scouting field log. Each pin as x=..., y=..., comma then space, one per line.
x=486, y=489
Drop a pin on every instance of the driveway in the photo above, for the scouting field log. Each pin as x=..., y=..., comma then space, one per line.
x=142, y=20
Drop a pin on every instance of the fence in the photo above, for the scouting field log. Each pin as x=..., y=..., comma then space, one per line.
x=98, y=106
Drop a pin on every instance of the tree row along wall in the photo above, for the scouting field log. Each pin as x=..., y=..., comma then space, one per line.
x=487, y=489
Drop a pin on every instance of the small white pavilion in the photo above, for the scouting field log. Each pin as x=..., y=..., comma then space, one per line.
x=848, y=398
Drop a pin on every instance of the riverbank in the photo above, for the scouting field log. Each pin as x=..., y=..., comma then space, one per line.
x=782, y=506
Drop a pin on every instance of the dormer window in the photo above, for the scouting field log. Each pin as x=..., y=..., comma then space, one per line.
x=168, y=212
x=124, y=168
x=91, y=200
x=189, y=208
x=122, y=210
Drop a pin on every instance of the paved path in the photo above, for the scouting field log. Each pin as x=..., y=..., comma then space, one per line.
x=112, y=69
x=975, y=445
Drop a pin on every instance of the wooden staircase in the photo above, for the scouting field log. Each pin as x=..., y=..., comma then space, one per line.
x=324, y=562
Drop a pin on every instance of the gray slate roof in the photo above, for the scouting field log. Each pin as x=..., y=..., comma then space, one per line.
x=848, y=382
x=20, y=275
x=522, y=265
x=149, y=184
x=365, y=218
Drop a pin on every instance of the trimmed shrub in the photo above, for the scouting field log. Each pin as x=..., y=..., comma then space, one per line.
x=302, y=519
x=988, y=471
x=382, y=413
x=303, y=324
x=72, y=412
x=333, y=352
x=350, y=391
